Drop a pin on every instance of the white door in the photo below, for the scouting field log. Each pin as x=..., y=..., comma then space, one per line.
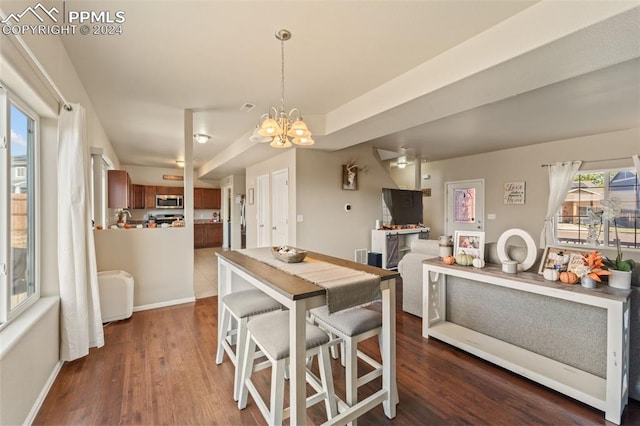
x=464, y=210
x=263, y=206
x=226, y=216
x=280, y=208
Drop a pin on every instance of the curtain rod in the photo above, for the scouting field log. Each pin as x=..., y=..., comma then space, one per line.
x=38, y=65
x=594, y=161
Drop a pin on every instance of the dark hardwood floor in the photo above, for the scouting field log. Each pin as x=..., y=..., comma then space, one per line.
x=158, y=368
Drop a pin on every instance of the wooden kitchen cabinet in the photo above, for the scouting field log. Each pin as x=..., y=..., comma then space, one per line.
x=169, y=190
x=149, y=197
x=206, y=198
x=138, y=196
x=118, y=189
x=207, y=235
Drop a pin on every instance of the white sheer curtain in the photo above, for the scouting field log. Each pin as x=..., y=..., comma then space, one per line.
x=81, y=320
x=560, y=178
x=636, y=161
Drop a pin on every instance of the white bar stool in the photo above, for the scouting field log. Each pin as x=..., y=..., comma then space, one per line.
x=241, y=306
x=270, y=333
x=352, y=326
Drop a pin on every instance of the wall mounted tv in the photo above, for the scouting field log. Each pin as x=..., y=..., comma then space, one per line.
x=403, y=205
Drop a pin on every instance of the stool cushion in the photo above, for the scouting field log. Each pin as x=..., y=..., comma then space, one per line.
x=250, y=302
x=350, y=322
x=271, y=331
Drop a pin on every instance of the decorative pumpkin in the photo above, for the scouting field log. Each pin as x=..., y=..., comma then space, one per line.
x=551, y=274
x=449, y=260
x=464, y=259
x=478, y=262
x=568, y=277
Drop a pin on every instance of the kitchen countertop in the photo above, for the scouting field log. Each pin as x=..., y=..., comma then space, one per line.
x=203, y=221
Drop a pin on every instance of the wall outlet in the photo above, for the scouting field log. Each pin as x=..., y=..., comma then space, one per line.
x=299, y=218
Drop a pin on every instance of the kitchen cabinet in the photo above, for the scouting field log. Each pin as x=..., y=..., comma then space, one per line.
x=118, y=189
x=149, y=197
x=169, y=190
x=207, y=235
x=206, y=198
x=138, y=196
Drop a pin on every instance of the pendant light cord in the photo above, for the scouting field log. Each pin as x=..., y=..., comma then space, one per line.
x=282, y=74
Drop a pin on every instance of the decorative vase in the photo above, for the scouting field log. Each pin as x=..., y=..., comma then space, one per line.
x=620, y=279
x=588, y=282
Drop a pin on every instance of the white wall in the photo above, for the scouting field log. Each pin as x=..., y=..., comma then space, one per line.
x=142, y=175
x=522, y=164
x=326, y=226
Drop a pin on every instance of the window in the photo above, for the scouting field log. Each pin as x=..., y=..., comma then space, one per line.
x=18, y=191
x=580, y=219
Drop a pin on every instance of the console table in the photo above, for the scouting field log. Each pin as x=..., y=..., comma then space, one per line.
x=609, y=395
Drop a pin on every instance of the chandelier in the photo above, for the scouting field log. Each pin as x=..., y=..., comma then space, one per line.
x=279, y=127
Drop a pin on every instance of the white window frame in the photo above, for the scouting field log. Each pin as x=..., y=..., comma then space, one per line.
x=607, y=227
x=7, y=98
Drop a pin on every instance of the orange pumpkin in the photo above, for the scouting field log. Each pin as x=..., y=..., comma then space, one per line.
x=568, y=277
x=449, y=260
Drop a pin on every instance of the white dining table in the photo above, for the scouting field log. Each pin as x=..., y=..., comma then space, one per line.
x=237, y=271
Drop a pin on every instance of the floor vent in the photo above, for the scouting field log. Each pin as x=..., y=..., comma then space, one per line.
x=361, y=256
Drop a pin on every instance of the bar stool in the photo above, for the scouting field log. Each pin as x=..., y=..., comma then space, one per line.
x=270, y=333
x=241, y=306
x=352, y=326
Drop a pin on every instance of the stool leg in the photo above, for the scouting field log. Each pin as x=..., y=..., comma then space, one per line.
x=241, y=339
x=222, y=334
x=351, y=369
x=277, y=392
x=324, y=364
x=394, y=394
x=247, y=370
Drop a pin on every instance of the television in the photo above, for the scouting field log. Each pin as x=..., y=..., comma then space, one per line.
x=404, y=206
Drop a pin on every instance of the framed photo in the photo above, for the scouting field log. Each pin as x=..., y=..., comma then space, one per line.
x=469, y=242
x=562, y=258
x=349, y=177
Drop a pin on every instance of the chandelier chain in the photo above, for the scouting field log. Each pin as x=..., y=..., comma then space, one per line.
x=282, y=75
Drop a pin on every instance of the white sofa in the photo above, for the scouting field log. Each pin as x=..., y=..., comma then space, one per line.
x=410, y=268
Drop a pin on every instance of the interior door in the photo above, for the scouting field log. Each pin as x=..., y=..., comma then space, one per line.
x=263, y=206
x=226, y=215
x=464, y=210
x=280, y=208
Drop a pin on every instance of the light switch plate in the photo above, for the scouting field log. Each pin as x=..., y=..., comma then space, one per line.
x=491, y=216
x=299, y=218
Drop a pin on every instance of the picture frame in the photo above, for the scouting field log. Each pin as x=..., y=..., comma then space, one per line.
x=250, y=196
x=571, y=259
x=514, y=192
x=349, y=177
x=469, y=242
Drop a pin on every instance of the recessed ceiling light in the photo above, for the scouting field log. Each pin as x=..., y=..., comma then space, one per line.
x=180, y=163
x=246, y=107
x=201, y=137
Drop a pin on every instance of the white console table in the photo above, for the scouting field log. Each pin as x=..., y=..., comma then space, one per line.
x=380, y=243
x=609, y=395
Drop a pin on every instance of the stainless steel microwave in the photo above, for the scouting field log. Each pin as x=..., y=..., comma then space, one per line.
x=169, y=202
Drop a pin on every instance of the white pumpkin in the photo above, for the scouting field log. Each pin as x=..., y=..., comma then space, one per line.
x=551, y=274
x=478, y=262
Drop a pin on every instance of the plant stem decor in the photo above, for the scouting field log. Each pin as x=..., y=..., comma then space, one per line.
x=611, y=211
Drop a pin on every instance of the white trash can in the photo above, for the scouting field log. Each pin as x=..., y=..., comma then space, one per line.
x=116, y=295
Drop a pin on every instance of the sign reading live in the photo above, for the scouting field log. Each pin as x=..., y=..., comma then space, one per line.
x=40, y=20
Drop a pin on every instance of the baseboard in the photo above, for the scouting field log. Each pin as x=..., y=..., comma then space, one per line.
x=163, y=304
x=43, y=394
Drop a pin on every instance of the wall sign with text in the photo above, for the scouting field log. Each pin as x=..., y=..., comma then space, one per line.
x=514, y=193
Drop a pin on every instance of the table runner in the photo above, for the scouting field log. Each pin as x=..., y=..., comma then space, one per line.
x=346, y=287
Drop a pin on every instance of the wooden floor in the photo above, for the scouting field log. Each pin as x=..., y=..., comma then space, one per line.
x=158, y=368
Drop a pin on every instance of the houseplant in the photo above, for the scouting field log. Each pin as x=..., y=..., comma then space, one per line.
x=620, y=268
x=592, y=269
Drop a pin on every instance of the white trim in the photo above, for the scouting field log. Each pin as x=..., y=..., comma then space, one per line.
x=163, y=304
x=43, y=394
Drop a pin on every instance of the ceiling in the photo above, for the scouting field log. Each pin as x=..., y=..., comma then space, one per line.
x=442, y=78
